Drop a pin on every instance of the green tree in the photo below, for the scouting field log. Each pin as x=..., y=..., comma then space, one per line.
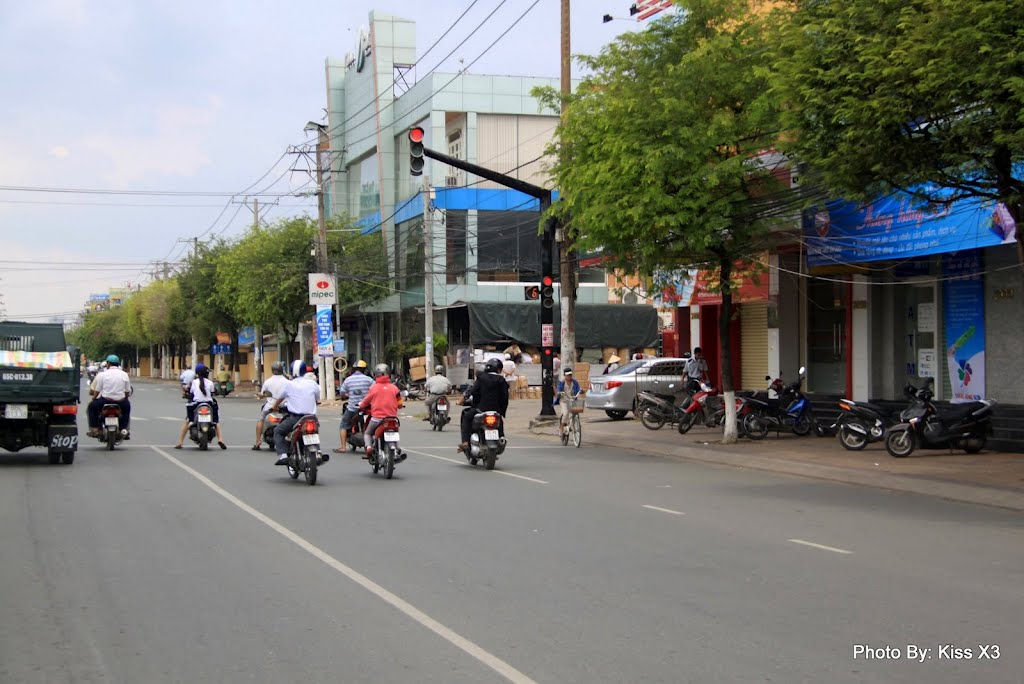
x=656, y=159
x=208, y=309
x=890, y=94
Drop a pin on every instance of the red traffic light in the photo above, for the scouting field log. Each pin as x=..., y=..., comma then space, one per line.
x=416, y=134
x=548, y=281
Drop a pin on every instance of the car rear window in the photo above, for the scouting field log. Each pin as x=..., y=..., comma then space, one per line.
x=628, y=368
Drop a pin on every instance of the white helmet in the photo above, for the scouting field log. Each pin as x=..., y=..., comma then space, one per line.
x=381, y=369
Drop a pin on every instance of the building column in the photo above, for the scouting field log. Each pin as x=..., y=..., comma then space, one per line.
x=860, y=352
x=694, y=327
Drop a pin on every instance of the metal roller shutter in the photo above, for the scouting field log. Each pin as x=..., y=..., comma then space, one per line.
x=753, y=344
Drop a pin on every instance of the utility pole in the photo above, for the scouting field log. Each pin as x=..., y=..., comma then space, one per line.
x=567, y=270
x=326, y=375
x=195, y=349
x=428, y=276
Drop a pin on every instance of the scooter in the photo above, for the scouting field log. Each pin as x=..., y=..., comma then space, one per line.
x=386, y=450
x=440, y=416
x=485, y=440
x=792, y=412
x=655, y=409
x=304, y=455
x=698, y=408
x=861, y=423
x=964, y=426
x=112, y=433
x=202, y=429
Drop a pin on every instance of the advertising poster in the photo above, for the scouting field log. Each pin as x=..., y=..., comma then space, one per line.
x=324, y=330
x=964, y=314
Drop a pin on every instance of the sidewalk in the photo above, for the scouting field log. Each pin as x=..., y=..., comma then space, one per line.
x=989, y=478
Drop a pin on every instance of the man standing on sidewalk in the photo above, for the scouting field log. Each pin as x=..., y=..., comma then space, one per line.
x=696, y=371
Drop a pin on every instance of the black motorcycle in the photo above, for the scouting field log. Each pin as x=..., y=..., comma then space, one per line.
x=860, y=423
x=202, y=429
x=354, y=435
x=485, y=440
x=441, y=414
x=792, y=411
x=304, y=454
x=964, y=426
x=386, y=450
x=666, y=407
x=112, y=433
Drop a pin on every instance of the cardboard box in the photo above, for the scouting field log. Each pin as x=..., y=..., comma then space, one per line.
x=418, y=361
x=418, y=373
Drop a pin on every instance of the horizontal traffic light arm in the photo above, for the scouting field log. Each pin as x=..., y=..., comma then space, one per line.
x=508, y=181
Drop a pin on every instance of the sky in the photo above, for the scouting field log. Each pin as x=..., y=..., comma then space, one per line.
x=189, y=97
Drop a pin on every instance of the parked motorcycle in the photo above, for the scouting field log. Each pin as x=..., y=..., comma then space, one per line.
x=485, y=440
x=304, y=454
x=202, y=429
x=964, y=426
x=701, y=407
x=656, y=409
x=112, y=433
x=861, y=423
x=386, y=450
x=791, y=411
x=440, y=415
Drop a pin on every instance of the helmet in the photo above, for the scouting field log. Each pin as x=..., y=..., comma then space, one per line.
x=301, y=369
x=493, y=366
x=113, y=360
x=360, y=364
x=103, y=364
x=439, y=369
x=200, y=367
x=381, y=369
x=277, y=368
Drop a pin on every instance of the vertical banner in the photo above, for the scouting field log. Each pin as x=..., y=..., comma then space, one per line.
x=324, y=330
x=964, y=308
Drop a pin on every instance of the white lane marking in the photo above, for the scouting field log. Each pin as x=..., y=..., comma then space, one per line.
x=175, y=418
x=663, y=510
x=135, y=418
x=539, y=446
x=496, y=472
x=819, y=546
x=490, y=660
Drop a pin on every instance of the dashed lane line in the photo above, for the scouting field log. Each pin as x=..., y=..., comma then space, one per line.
x=663, y=510
x=496, y=472
x=489, y=659
x=819, y=546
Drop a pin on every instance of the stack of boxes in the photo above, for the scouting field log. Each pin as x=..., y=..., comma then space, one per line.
x=418, y=368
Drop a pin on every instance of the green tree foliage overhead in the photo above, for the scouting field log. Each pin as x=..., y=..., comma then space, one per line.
x=207, y=309
x=101, y=333
x=655, y=159
x=891, y=94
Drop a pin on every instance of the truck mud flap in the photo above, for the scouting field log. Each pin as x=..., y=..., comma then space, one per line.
x=62, y=438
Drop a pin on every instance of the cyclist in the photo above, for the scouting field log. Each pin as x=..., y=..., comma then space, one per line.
x=569, y=388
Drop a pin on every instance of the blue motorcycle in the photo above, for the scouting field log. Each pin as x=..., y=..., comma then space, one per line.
x=790, y=412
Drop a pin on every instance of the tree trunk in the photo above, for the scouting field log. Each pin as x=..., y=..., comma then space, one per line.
x=729, y=436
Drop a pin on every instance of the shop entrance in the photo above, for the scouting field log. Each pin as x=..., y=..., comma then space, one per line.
x=828, y=336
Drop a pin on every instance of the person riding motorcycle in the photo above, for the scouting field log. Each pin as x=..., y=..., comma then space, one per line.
x=381, y=401
x=488, y=393
x=112, y=386
x=354, y=388
x=437, y=385
x=571, y=390
x=302, y=394
x=186, y=378
x=271, y=389
x=201, y=389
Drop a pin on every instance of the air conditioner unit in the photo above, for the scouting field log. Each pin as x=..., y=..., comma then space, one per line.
x=451, y=181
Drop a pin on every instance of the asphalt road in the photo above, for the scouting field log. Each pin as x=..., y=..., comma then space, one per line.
x=152, y=565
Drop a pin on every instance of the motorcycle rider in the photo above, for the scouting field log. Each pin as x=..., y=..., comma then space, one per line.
x=354, y=388
x=437, y=385
x=488, y=393
x=567, y=385
x=272, y=388
x=302, y=394
x=112, y=386
x=201, y=389
x=381, y=401
x=186, y=378
x=696, y=371
x=223, y=375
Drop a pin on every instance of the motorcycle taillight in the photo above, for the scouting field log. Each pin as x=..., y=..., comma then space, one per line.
x=204, y=410
x=112, y=411
x=442, y=401
x=310, y=427
x=491, y=421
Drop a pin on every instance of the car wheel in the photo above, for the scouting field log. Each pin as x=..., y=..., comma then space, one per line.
x=616, y=415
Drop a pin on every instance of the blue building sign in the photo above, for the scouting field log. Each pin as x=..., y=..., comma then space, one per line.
x=324, y=330
x=900, y=226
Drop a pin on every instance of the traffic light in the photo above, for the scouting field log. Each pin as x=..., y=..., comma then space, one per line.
x=547, y=292
x=416, y=160
x=531, y=292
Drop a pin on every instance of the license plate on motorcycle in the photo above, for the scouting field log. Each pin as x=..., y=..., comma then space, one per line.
x=491, y=435
x=390, y=436
x=442, y=408
x=205, y=419
x=310, y=439
x=111, y=421
x=16, y=411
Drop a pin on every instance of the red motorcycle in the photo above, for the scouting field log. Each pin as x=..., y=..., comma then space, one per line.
x=703, y=406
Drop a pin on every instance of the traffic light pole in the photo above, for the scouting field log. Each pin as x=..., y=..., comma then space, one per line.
x=547, y=313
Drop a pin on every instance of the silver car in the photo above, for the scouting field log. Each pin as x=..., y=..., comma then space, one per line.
x=615, y=393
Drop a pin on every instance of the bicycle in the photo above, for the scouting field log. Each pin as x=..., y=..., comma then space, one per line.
x=573, y=428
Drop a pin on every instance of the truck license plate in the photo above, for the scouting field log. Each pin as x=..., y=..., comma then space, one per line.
x=491, y=435
x=390, y=436
x=310, y=439
x=16, y=411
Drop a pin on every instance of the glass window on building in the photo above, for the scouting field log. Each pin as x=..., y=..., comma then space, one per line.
x=455, y=246
x=409, y=253
x=369, y=190
x=508, y=246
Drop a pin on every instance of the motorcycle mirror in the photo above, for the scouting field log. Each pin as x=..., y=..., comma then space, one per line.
x=801, y=371
x=768, y=378
x=405, y=393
